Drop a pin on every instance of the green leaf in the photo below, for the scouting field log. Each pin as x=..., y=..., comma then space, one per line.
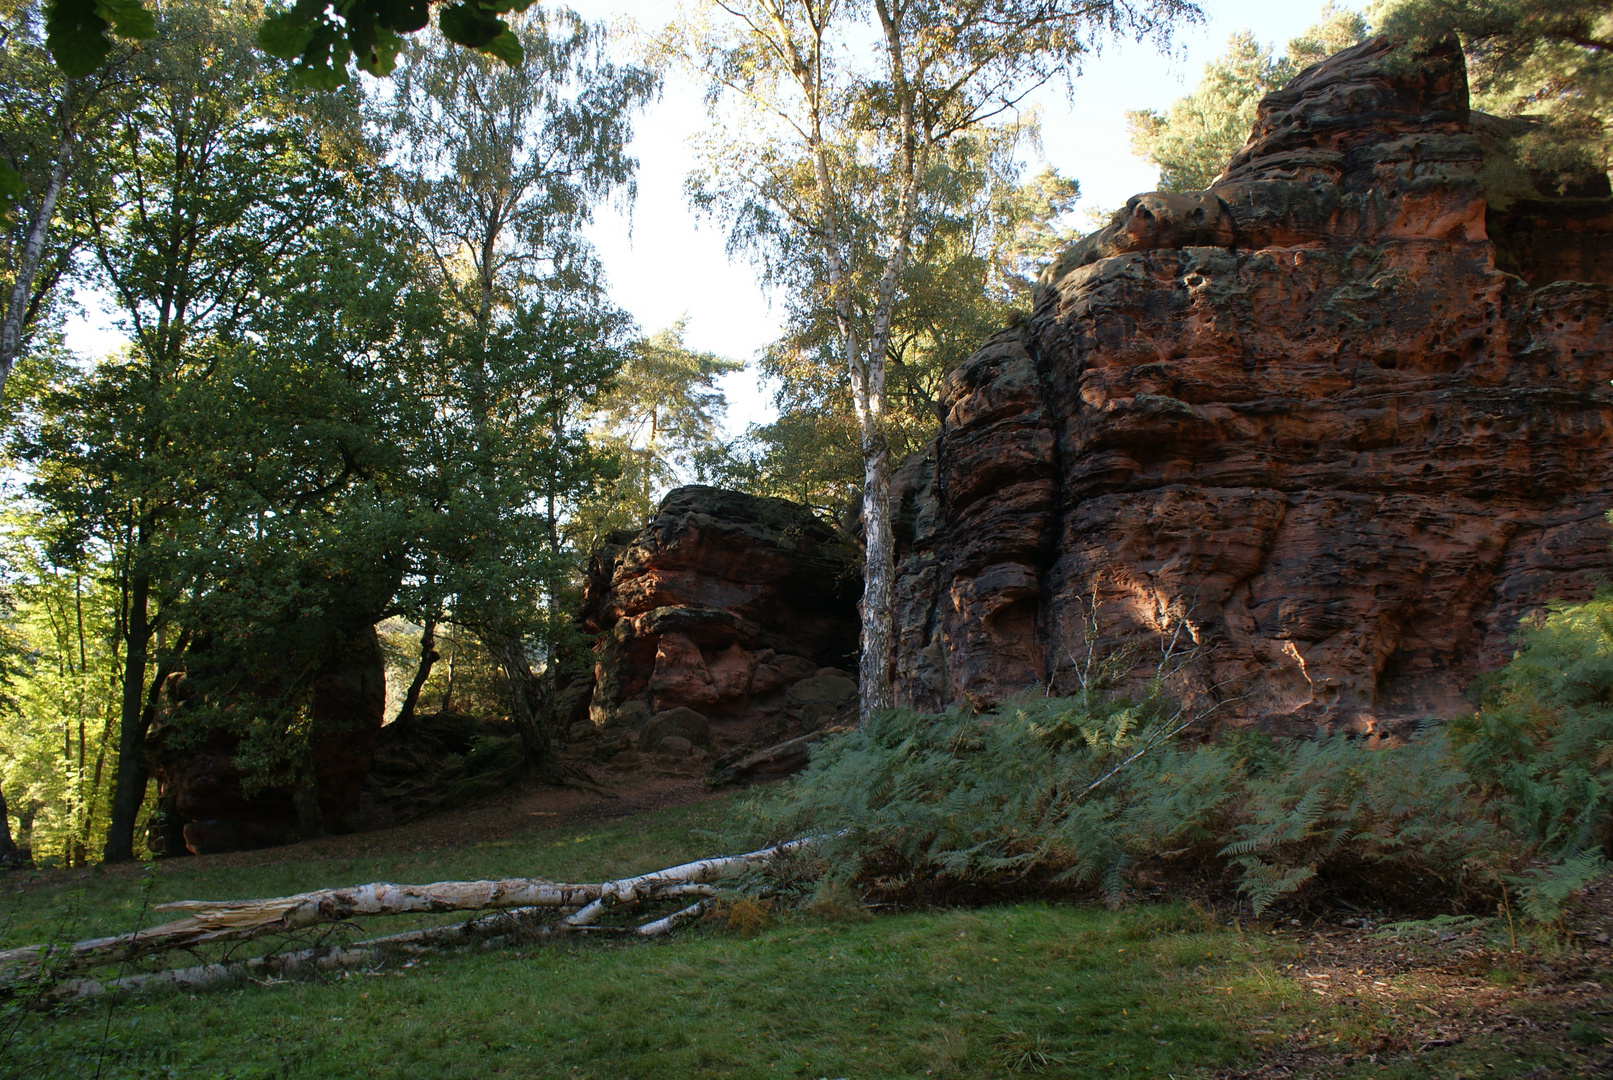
x=76, y=35
x=469, y=25
x=129, y=18
x=285, y=35
x=375, y=48
x=402, y=16
x=11, y=194
x=507, y=47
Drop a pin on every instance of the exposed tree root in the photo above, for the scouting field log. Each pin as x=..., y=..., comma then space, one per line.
x=520, y=904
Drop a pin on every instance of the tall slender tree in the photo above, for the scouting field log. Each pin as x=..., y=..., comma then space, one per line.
x=502, y=169
x=217, y=180
x=842, y=111
x=46, y=121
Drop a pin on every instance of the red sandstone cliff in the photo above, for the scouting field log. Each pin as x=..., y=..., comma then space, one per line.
x=727, y=623
x=1302, y=413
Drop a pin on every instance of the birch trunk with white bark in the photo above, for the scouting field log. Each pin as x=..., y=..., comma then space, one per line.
x=207, y=922
x=20, y=302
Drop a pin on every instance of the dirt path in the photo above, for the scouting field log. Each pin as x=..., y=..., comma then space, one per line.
x=532, y=805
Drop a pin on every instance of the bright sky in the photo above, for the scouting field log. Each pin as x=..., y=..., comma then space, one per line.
x=663, y=264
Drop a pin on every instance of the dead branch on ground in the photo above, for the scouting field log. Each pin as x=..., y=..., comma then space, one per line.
x=525, y=899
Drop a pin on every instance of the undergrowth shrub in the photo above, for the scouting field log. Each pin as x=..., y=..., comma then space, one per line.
x=1049, y=793
x=1540, y=747
x=1102, y=794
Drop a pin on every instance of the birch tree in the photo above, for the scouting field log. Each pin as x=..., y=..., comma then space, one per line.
x=829, y=118
x=47, y=122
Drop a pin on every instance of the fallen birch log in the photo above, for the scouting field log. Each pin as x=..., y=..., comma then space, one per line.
x=239, y=920
x=487, y=932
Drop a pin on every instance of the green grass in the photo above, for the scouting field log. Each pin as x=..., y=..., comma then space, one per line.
x=1062, y=990
x=35, y=907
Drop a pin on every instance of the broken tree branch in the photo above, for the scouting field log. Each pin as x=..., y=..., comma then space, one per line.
x=240, y=920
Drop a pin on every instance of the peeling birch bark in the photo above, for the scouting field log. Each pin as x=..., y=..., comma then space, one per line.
x=487, y=931
x=240, y=920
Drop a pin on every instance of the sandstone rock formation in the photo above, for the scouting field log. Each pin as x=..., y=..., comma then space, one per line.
x=207, y=806
x=1302, y=415
x=439, y=761
x=724, y=624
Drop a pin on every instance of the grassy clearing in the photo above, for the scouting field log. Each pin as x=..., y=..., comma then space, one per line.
x=828, y=992
x=39, y=906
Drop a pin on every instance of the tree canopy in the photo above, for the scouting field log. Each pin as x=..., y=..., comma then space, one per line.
x=850, y=122
x=1547, y=66
x=368, y=348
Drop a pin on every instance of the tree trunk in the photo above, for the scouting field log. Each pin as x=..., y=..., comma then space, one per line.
x=33, y=250
x=305, y=800
x=241, y=920
x=428, y=657
x=9, y=853
x=879, y=572
x=130, y=789
x=448, y=687
x=526, y=711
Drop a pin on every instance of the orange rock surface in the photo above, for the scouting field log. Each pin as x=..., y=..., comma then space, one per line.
x=1301, y=415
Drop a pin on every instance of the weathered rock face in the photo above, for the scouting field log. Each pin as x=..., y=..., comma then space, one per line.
x=1301, y=414
x=202, y=791
x=438, y=761
x=724, y=622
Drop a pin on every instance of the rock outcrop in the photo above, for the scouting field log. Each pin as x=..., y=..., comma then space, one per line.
x=439, y=761
x=207, y=803
x=726, y=623
x=1302, y=415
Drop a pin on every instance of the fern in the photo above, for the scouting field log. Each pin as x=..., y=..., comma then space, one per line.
x=1546, y=890
x=1088, y=792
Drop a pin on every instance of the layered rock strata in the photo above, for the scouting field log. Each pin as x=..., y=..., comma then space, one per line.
x=1301, y=416
x=727, y=622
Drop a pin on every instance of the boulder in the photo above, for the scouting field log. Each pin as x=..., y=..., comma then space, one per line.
x=207, y=804
x=437, y=761
x=682, y=723
x=1301, y=421
x=675, y=746
x=718, y=609
x=830, y=688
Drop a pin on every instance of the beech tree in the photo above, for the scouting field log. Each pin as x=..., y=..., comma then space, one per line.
x=216, y=177
x=839, y=112
x=57, y=747
x=323, y=39
x=501, y=167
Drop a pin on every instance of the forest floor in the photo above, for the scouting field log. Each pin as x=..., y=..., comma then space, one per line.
x=834, y=990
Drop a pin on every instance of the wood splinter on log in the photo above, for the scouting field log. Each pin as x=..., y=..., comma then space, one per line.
x=238, y=920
